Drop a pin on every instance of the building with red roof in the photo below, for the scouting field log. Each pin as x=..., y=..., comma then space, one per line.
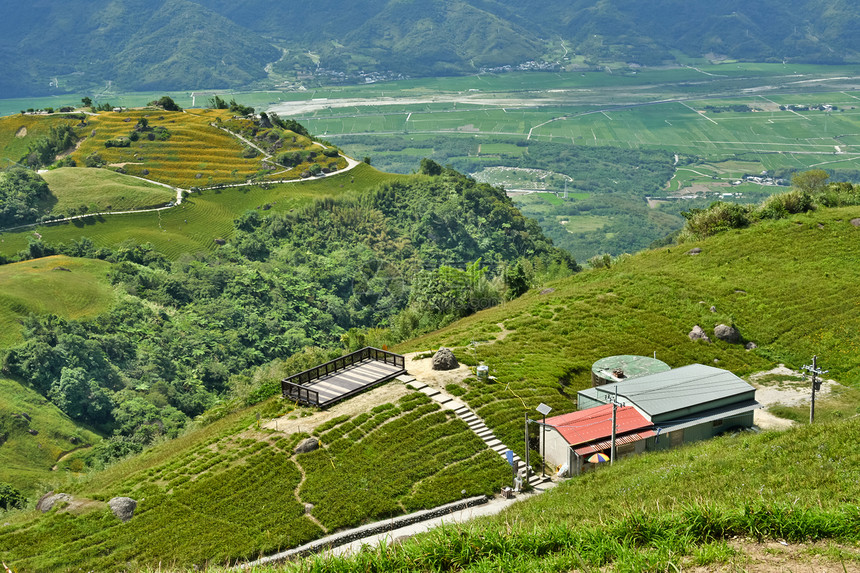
x=571, y=439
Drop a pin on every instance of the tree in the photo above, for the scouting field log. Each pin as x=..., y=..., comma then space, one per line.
x=167, y=104
x=21, y=191
x=811, y=182
x=366, y=159
x=80, y=398
x=218, y=103
x=430, y=167
x=87, y=101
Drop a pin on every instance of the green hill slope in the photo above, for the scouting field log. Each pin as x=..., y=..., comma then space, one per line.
x=102, y=190
x=695, y=508
x=789, y=286
x=34, y=436
x=60, y=285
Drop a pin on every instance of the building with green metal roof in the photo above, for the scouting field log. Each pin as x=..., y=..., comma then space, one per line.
x=685, y=404
x=624, y=367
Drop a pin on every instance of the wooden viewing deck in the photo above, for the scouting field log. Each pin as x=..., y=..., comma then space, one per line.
x=346, y=376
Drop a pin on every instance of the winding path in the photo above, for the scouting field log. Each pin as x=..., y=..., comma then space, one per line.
x=180, y=192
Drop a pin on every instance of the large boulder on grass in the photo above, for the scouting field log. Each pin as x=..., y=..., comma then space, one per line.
x=444, y=360
x=727, y=333
x=307, y=445
x=47, y=501
x=123, y=507
x=698, y=334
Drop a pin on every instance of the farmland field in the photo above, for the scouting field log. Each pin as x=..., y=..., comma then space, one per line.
x=719, y=121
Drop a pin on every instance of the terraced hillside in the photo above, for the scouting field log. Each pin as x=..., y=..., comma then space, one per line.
x=193, y=153
x=202, y=217
x=236, y=489
x=778, y=501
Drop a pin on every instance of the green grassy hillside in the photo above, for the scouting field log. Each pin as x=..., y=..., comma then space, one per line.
x=70, y=288
x=31, y=448
x=694, y=508
x=789, y=286
x=102, y=190
x=235, y=490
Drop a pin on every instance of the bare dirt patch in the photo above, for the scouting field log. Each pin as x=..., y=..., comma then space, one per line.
x=778, y=557
x=126, y=163
x=359, y=404
x=789, y=392
x=22, y=131
x=423, y=371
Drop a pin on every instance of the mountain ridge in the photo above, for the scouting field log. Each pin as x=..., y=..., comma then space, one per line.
x=58, y=48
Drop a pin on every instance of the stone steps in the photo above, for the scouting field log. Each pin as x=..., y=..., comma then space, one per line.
x=472, y=420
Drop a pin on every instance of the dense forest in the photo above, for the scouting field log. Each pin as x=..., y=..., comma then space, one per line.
x=371, y=268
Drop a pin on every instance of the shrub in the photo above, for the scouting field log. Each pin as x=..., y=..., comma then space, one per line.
x=784, y=204
x=94, y=160
x=11, y=498
x=716, y=218
x=118, y=142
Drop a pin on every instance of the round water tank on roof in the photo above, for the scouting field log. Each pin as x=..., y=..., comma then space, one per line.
x=624, y=367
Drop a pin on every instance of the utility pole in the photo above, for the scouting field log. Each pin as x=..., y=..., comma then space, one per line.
x=614, y=402
x=528, y=467
x=614, y=410
x=544, y=410
x=816, y=384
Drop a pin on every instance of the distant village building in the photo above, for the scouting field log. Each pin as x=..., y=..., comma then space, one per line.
x=673, y=407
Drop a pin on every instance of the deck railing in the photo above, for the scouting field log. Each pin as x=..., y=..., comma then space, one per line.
x=293, y=387
x=300, y=394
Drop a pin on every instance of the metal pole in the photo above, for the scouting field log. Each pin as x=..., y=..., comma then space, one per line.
x=543, y=448
x=528, y=467
x=812, y=403
x=612, y=450
x=816, y=384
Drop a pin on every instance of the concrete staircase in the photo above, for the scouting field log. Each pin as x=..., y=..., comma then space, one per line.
x=471, y=419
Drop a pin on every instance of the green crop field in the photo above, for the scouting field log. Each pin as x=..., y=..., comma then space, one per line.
x=202, y=217
x=234, y=491
x=67, y=287
x=647, y=304
x=102, y=190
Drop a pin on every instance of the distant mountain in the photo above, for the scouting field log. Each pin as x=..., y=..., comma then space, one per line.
x=136, y=44
x=219, y=43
